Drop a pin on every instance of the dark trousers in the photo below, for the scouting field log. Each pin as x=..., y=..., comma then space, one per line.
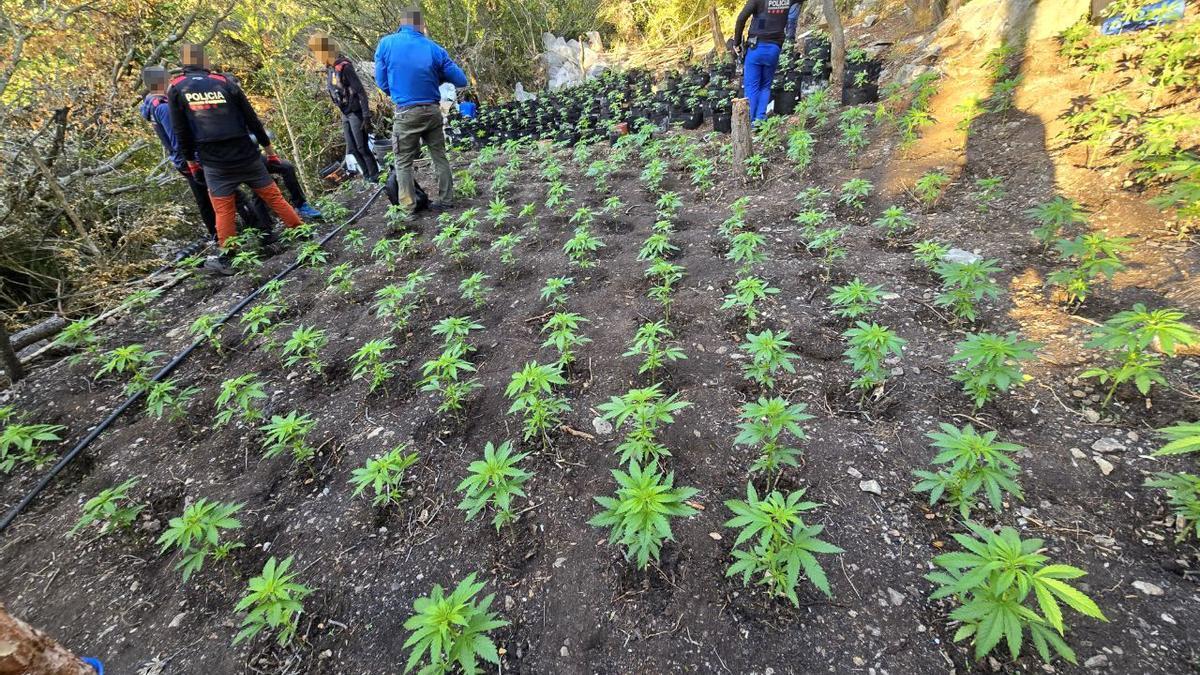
x=287, y=172
x=203, y=203
x=358, y=145
x=253, y=213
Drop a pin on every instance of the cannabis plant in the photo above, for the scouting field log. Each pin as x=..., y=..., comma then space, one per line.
x=506, y=244
x=929, y=187
x=554, y=292
x=474, y=289
x=449, y=631
x=398, y=302
x=643, y=411
x=493, y=483
x=384, y=475
x=929, y=253
x=991, y=363
x=639, y=514
x=971, y=465
x=745, y=249
x=828, y=244
x=289, y=433
x=1053, y=216
x=532, y=392
x=782, y=546
x=652, y=344
x=1095, y=255
x=355, y=240
x=763, y=425
x=112, y=508
x=768, y=352
x=869, y=347
x=747, y=293
x=304, y=347
x=197, y=534
x=1183, y=494
x=966, y=284
x=79, y=336
x=1130, y=338
x=988, y=191
x=369, y=362
x=992, y=582
x=166, y=399
x=894, y=222
x=855, y=192
x=273, y=602
x=23, y=442
x=239, y=398
x=444, y=375
x=564, y=337
x=855, y=299
x=132, y=362
x=581, y=247
x=800, y=144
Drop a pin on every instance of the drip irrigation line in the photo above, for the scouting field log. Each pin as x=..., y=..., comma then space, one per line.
x=166, y=370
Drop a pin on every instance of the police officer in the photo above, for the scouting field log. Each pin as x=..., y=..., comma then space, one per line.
x=350, y=96
x=767, y=32
x=213, y=120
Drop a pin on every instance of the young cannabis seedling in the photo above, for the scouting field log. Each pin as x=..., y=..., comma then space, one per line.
x=657, y=246
x=1095, y=255
x=79, y=336
x=784, y=547
x=666, y=275
x=111, y=508
x=988, y=191
x=355, y=240
x=645, y=410
x=239, y=398
x=1129, y=337
x=474, y=289
x=651, y=342
x=869, y=346
x=452, y=630
x=929, y=253
x=930, y=186
x=272, y=602
x=341, y=278
x=197, y=534
x=855, y=299
x=894, y=222
x=304, y=347
x=973, y=463
x=454, y=330
x=639, y=514
x=384, y=475
x=23, y=442
x=532, y=392
x=1053, y=216
x=442, y=375
x=506, y=245
x=966, y=284
x=745, y=249
x=581, y=247
x=991, y=363
x=493, y=483
x=133, y=362
x=800, y=144
x=311, y=254
x=564, y=336
x=747, y=293
x=165, y=399
x=992, y=581
x=554, y=293
x=369, y=363
x=289, y=433
x=259, y=321
x=768, y=352
x=763, y=425
x=498, y=211
x=828, y=243
x=855, y=192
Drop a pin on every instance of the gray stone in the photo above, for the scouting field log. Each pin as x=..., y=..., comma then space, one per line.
x=869, y=20
x=1096, y=662
x=1108, y=444
x=1106, y=467
x=958, y=255
x=1091, y=415
x=871, y=486
x=602, y=426
x=1148, y=588
x=895, y=596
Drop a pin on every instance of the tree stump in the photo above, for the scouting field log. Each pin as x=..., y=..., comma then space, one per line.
x=12, y=365
x=25, y=650
x=743, y=139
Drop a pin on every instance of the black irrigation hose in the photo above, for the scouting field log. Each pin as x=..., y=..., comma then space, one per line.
x=166, y=370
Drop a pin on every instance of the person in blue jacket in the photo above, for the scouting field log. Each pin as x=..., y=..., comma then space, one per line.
x=409, y=68
x=766, y=35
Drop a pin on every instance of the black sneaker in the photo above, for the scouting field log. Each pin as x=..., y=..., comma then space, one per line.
x=218, y=265
x=440, y=206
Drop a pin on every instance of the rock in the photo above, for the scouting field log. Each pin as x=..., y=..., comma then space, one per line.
x=564, y=652
x=869, y=20
x=1091, y=416
x=1096, y=662
x=715, y=536
x=1106, y=467
x=871, y=486
x=177, y=620
x=602, y=426
x=509, y=603
x=1168, y=618
x=1148, y=588
x=854, y=473
x=958, y=255
x=1108, y=444
x=1078, y=454
x=895, y=596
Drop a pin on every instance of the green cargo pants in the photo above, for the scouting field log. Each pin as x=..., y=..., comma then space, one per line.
x=412, y=126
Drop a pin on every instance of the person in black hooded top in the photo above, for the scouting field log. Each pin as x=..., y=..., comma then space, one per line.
x=350, y=96
x=767, y=33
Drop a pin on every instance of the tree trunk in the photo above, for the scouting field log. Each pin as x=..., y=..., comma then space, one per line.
x=12, y=366
x=718, y=37
x=837, y=43
x=25, y=650
x=743, y=139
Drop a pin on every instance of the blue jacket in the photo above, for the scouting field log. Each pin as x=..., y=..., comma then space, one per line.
x=410, y=67
x=154, y=109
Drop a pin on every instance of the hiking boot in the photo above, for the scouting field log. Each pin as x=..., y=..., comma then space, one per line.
x=218, y=265
x=440, y=206
x=307, y=212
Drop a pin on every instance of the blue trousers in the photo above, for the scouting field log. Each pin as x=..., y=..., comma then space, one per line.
x=759, y=72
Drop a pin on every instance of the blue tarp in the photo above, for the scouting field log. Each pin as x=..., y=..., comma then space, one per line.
x=1163, y=11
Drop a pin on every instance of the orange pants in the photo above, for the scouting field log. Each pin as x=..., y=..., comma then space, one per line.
x=226, y=211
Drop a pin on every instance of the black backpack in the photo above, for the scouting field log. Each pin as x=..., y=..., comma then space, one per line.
x=393, y=193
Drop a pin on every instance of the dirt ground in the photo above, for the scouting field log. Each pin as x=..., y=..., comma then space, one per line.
x=575, y=605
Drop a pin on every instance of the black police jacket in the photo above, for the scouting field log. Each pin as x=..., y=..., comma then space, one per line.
x=770, y=20
x=346, y=89
x=212, y=119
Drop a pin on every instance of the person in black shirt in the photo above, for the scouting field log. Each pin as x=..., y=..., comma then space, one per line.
x=213, y=120
x=350, y=96
x=767, y=32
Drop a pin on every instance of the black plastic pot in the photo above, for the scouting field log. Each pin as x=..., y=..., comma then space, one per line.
x=723, y=121
x=694, y=120
x=785, y=102
x=855, y=92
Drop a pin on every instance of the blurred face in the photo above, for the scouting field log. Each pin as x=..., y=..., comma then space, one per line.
x=322, y=48
x=193, y=56
x=412, y=18
x=155, y=79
